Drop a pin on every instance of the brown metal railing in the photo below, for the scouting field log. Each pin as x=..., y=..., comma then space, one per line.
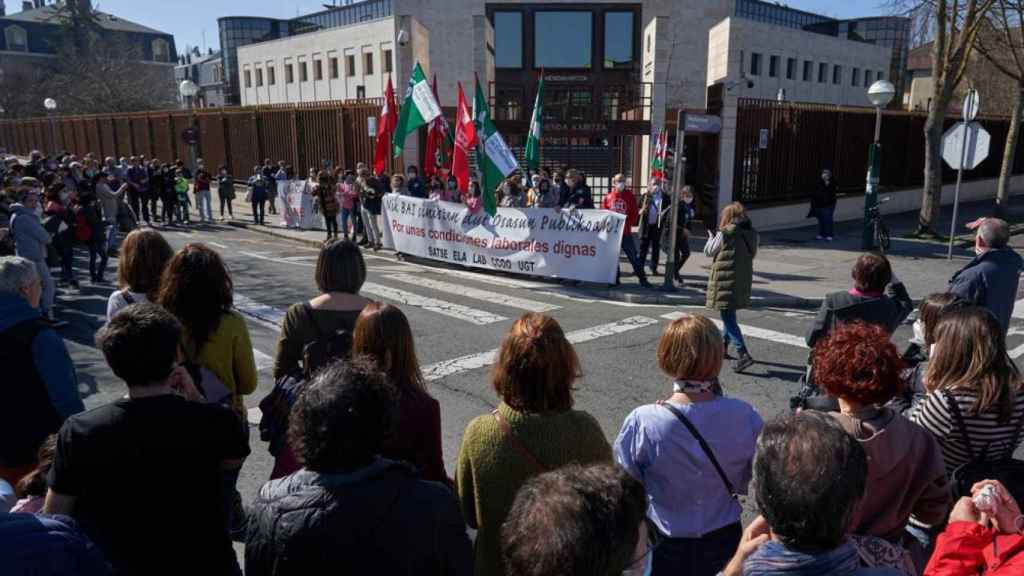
x=803, y=139
x=306, y=135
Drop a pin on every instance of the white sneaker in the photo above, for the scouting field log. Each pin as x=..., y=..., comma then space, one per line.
x=828, y=238
x=819, y=237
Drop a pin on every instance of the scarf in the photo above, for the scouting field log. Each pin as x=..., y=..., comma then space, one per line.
x=694, y=386
x=774, y=559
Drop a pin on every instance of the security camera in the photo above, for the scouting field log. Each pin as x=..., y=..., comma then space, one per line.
x=403, y=37
x=750, y=83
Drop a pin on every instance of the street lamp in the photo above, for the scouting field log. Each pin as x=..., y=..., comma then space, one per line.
x=188, y=89
x=51, y=106
x=880, y=94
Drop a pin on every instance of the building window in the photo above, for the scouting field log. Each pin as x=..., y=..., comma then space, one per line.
x=880, y=75
x=790, y=68
x=161, y=50
x=289, y=74
x=259, y=77
x=773, y=66
x=755, y=64
x=508, y=39
x=303, y=72
x=350, y=65
x=388, y=65
x=271, y=75
x=248, y=79
x=563, y=39
x=368, y=63
x=218, y=74
x=867, y=78
x=837, y=74
x=17, y=39
x=618, y=39
x=360, y=92
x=333, y=65
x=318, y=70
x=822, y=73
x=808, y=71
x=855, y=77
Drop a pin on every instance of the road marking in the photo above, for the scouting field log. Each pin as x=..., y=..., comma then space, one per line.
x=263, y=361
x=266, y=315
x=254, y=415
x=461, y=364
x=309, y=257
x=218, y=245
x=450, y=309
x=474, y=293
x=1017, y=352
x=1018, y=308
x=753, y=331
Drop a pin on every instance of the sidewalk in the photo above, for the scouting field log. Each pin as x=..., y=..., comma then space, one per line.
x=791, y=270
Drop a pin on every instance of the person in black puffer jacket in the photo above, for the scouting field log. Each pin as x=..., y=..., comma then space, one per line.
x=349, y=511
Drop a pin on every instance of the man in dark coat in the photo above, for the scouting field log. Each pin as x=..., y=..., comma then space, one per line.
x=349, y=511
x=823, y=205
x=990, y=280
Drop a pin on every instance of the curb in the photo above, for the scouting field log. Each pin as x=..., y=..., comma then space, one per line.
x=643, y=297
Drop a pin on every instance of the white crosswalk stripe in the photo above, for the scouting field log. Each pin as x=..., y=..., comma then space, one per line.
x=447, y=368
x=450, y=309
x=475, y=293
x=753, y=332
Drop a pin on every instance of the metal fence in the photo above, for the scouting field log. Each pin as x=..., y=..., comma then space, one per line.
x=309, y=135
x=782, y=147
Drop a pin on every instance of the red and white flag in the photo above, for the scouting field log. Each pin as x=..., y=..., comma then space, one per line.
x=465, y=140
x=436, y=155
x=385, y=128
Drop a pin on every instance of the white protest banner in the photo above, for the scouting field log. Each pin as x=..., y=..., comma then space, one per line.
x=577, y=245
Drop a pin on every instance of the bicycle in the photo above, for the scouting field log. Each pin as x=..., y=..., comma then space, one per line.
x=880, y=230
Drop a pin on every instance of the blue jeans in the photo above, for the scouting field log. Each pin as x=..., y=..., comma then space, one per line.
x=346, y=214
x=704, y=556
x=205, y=205
x=826, y=221
x=731, y=331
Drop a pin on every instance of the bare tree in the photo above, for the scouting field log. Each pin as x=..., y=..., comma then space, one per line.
x=953, y=26
x=1001, y=43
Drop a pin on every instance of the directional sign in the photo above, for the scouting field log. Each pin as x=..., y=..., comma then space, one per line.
x=977, y=142
x=972, y=102
x=703, y=124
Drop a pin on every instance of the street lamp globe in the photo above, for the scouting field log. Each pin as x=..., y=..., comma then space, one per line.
x=188, y=88
x=881, y=93
x=50, y=104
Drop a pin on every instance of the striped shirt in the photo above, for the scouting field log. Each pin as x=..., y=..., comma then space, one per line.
x=983, y=430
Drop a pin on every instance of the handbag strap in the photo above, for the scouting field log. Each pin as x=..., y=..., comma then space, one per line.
x=704, y=446
x=958, y=423
x=517, y=445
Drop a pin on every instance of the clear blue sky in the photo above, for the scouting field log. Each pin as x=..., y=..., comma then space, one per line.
x=188, y=19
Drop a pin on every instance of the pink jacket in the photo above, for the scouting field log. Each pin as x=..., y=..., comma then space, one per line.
x=346, y=196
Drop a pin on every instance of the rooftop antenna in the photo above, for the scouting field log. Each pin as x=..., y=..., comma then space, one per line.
x=204, y=39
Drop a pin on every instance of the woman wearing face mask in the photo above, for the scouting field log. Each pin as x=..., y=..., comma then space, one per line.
x=347, y=197
x=687, y=213
x=578, y=195
x=654, y=206
x=919, y=352
x=544, y=195
x=511, y=193
x=415, y=186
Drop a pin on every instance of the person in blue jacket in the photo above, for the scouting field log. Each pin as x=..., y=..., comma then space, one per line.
x=45, y=545
x=39, y=388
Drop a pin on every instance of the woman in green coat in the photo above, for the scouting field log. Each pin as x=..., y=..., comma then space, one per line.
x=733, y=249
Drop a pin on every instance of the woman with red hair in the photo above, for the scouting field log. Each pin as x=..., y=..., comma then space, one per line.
x=859, y=365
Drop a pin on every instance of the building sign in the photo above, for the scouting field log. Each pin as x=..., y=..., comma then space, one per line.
x=703, y=124
x=577, y=245
x=582, y=78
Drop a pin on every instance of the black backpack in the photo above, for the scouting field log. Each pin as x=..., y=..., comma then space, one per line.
x=277, y=405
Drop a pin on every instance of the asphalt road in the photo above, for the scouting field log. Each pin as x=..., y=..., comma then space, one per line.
x=457, y=317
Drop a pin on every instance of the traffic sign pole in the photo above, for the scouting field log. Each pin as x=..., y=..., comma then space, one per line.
x=970, y=111
x=678, y=173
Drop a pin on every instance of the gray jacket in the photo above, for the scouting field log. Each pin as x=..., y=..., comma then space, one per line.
x=990, y=280
x=30, y=238
x=108, y=201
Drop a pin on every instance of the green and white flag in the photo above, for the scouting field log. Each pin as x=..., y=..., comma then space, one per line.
x=493, y=155
x=418, y=108
x=536, y=128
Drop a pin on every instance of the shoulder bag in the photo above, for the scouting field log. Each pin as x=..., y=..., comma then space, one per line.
x=517, y=445
x=1007, y=470
x=704, y=446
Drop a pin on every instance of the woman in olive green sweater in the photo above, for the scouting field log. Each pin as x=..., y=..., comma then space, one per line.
x=533, y=430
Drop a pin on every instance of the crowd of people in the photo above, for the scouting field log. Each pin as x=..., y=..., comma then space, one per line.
x=891, y=463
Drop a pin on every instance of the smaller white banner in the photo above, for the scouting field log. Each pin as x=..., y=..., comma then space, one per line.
x=576, y=245
x=500, y=154
x=423, y=97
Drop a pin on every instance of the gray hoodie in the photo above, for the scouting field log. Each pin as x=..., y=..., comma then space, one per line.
x=30, y=238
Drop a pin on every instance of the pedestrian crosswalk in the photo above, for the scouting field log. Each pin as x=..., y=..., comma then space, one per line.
x=475, y=293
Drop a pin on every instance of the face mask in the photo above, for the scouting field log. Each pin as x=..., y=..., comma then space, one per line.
x=412, y=175
x=536, y=182
x=620, y=186
x=687, y=200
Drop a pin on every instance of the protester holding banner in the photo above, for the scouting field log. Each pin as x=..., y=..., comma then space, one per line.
x=414, y=183
x=576, y=193
x=621, y=200
x=371, y=197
